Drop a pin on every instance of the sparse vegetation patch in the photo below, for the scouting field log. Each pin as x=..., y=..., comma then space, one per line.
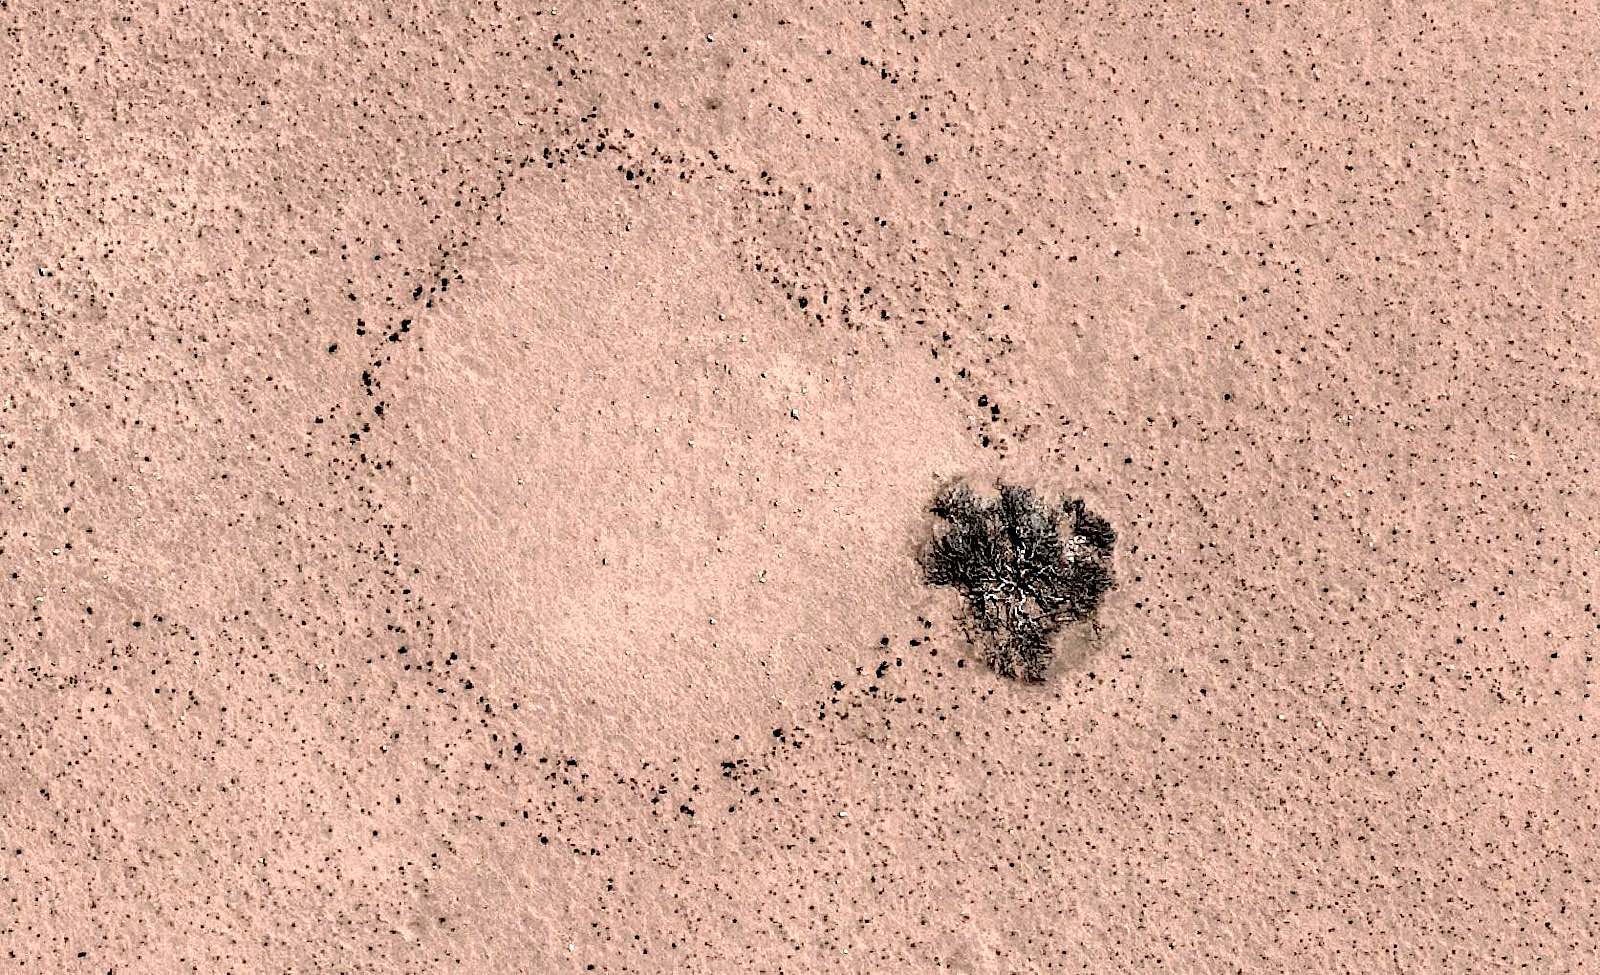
x=1026, y=567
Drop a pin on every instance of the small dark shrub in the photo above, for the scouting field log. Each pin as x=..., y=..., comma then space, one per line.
x=1026, y=567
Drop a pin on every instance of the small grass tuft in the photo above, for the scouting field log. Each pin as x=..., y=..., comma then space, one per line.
x=1027, y=567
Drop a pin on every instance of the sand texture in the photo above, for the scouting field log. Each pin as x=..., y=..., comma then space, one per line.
x=462, y=470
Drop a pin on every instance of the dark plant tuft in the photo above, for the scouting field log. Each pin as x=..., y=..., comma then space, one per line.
x=1022, y=576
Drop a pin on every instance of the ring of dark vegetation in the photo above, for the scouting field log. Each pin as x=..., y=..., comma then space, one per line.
x=1026, y=567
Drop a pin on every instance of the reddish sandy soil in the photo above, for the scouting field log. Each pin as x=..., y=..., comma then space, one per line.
x=461, y=473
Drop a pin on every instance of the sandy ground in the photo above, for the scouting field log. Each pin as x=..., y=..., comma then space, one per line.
x=460, y=471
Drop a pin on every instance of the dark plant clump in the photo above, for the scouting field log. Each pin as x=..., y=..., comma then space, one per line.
x=1027, y=567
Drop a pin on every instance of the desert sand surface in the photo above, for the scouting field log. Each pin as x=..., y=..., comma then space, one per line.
x=462, y=470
